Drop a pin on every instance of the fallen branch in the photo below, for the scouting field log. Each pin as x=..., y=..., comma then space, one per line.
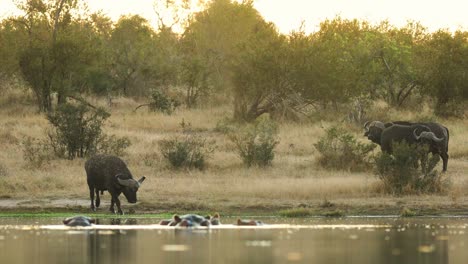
x=140, y=106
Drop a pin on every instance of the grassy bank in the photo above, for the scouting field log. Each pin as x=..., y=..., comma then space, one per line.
x=294, y=180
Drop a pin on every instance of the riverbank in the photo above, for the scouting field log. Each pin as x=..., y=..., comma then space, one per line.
x=295, y=184
x=402, y=206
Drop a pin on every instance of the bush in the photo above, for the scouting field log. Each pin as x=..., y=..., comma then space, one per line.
x=77, y=132
x=162, y=103
x=3, y=170
x=189, y=151
x=340, y=150
x=36, y=152
x=410, y=169
x=113, y=145
x=256, y=142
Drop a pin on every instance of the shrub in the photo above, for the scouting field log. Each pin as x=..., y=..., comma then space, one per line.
x=3, y=170
x=36, y=152
x=410, y=169
x=256, y=142
x=162, y=103
x=340, y=150
x=113, y=145
x=189, y=151
x=77, y=132
x=226, y=125
x=296, y=212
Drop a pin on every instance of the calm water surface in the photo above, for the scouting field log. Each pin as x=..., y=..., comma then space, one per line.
x=317, y=240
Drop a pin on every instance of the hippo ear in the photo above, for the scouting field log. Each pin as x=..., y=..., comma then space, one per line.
x=177, y=218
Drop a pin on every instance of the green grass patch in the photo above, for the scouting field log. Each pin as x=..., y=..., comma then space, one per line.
x=296, y=212
x=406, y=212
x=334, y=213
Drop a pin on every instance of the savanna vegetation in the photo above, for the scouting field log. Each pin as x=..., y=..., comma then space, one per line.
x=228, y=114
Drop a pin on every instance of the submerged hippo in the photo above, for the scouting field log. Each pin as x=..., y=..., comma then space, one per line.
x=192, y=220
x=243, y=222
x=78, y=221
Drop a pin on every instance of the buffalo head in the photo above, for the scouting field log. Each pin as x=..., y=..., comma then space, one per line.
x=130, y=187
x=373, y=130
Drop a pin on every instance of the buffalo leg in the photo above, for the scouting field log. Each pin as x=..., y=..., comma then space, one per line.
x=112, y=206
x=117, y=202
x=98, y=200
x=91, y=195
x=445, y=158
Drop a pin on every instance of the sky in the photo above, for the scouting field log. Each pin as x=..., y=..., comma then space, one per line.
x=287, y=15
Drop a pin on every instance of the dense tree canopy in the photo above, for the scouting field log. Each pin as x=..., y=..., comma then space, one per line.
x=228, y=53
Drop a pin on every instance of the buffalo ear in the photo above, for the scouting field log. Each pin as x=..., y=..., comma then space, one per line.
x=140, y=181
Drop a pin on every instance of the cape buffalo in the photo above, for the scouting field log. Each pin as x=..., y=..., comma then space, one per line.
x=110, y=173
x=375, y=129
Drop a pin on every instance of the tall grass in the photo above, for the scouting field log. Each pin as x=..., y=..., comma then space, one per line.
x=294, y=177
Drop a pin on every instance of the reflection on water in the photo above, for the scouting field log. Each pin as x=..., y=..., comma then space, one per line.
x=359, y=240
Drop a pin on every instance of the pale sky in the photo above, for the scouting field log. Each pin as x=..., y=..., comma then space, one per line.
x=288, y=14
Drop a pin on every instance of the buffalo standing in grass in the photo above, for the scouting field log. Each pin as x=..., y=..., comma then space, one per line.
x=433, y=134
x=110, y=173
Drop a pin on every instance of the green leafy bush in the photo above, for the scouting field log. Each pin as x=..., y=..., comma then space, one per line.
x=188, y=151
x=77, y=129
x=162, y=103
x=340, y=150
x=77, y=132
x=256, y=142
x=410, y=169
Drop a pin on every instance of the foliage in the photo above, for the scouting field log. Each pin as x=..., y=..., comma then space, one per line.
x=340, y=150
x=259, y=74
x=162, y=103
x=256, y=142
x=188, y=151
x=132, y=48
x=406, y=212
x=226, y=125
x=229, y=53
x=77, y=132
x=112, y=145
x=410, y=169
x=444, y=72
x=36, y=152
x=3, y=170
x=296, y=212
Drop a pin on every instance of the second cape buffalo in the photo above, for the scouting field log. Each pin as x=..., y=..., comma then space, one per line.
x=110, y=173
x=433, y=133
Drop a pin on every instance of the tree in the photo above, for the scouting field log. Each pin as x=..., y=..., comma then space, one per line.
x=444, y=70
x=394, y=50
x=132, y=48
x=212, y=37
x=340, y=61
x=260, y=74
x=56, y=54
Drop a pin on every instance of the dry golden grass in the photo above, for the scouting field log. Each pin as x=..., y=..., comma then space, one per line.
x=294, y=178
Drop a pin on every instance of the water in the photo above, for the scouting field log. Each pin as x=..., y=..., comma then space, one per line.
x=315, y=240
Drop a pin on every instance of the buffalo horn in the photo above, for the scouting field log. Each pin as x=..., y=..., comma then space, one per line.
x=378, y=124
x=128, y=183
x=366, y=125
x=428, y=135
